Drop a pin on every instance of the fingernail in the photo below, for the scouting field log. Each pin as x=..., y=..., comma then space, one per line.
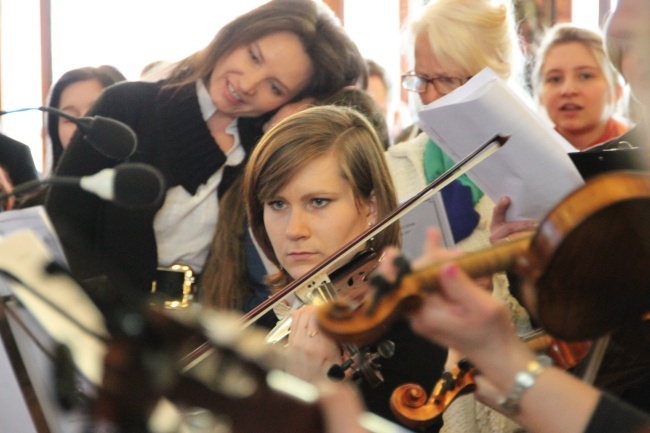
x=450, y=270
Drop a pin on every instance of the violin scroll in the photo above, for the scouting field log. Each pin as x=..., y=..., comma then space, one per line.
x=411, y=406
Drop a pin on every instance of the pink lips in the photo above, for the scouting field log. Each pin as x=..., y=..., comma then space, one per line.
x=570, y=107
x=300, y=256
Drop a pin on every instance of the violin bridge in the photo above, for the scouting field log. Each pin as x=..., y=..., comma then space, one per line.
x=317, y=291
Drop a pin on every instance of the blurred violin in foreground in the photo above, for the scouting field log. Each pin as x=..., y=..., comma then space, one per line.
x=243, y=376
x=585, y=268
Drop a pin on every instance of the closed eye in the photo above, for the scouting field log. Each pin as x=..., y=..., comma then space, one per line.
x=276, y=89
x=253, y=55
x=446, y=80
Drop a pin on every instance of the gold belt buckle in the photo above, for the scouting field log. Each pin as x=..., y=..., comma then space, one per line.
x=188, y=286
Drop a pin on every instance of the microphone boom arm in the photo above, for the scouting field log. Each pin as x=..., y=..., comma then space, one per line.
x=35, y=183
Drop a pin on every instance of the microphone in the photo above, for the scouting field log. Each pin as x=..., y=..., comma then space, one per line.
x=132, y=185
x=110, y=137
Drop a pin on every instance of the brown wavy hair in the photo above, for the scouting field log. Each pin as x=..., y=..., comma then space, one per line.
x=336, y=59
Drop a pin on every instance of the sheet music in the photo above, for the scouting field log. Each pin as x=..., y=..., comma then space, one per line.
x=533, y=167
x=36, y=219
x=415, y=223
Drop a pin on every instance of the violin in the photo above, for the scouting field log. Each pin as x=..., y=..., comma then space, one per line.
x=585, y=268
x=411, y=406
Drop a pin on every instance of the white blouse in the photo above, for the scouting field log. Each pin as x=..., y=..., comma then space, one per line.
x=185, y=225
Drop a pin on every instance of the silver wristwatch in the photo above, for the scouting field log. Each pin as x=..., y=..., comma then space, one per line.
x=509, y=404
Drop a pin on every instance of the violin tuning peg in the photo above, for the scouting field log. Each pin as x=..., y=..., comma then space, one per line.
x=337, y=371
x=382, y=288
x=386, y=349
x=403, y=266
x=465, y=365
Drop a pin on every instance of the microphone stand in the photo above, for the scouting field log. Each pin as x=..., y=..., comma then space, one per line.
x=35, y=183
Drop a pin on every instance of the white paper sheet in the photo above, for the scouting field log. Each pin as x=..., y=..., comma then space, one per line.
x=35, y=219
x=532, y=168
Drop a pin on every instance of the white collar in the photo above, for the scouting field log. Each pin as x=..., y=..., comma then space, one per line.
x=205, y=101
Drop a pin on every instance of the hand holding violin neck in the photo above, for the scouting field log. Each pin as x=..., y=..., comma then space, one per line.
x=366, y=323
x=500, y=257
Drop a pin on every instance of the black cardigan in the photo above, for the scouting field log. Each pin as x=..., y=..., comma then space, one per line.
x=17, y=159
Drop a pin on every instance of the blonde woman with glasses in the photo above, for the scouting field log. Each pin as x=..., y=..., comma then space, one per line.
x=449, y=42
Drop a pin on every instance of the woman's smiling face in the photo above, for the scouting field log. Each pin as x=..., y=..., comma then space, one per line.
x=256, y=78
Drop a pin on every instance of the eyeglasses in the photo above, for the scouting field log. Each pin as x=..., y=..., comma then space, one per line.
x=443, y=85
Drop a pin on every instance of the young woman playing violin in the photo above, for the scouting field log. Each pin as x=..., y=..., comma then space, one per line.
x=316, y=181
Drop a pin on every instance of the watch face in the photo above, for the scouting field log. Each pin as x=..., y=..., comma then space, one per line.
x=525, y=379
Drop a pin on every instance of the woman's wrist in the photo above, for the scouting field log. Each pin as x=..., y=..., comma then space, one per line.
x=502, y=365
x=509, y=404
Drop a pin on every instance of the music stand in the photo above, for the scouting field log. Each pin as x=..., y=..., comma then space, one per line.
x=429, y=213
x=32, y=329
x=19, y=409
x=594, y=162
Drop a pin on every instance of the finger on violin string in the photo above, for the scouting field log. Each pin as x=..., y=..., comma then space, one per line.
x=312, y=334
x=433, y=250
x=456, y=284
x=385, y=267
x=382, y=288
x=403, y=268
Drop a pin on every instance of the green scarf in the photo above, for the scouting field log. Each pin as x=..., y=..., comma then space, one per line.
x=436, y=163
